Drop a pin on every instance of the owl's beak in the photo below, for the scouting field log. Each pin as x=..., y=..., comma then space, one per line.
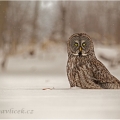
x=80, y=49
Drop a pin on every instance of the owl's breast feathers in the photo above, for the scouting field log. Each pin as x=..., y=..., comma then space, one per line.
x=79, y=74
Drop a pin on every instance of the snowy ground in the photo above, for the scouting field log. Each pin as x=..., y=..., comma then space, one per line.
x=22, y=84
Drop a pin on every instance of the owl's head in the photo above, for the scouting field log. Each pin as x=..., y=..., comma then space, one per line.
x=80, y=44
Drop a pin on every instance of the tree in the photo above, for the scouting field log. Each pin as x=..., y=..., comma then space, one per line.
x=3, y=13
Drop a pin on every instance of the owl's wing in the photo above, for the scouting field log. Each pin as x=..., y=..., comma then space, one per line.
x=103, y=77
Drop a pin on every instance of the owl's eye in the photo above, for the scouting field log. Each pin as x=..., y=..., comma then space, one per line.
x=76, y=44
x=83, y=44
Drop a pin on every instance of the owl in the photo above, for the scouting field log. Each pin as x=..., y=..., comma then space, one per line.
x=84, y=70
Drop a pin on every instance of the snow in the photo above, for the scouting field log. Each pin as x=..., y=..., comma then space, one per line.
x=62, y=103
x=22, y=84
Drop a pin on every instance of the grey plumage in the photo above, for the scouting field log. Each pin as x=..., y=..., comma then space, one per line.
x=84, y=70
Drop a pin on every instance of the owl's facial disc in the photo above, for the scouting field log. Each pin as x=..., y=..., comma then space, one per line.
x=79, y=46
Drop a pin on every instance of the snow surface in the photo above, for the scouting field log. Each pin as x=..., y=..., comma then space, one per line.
x=22, y=84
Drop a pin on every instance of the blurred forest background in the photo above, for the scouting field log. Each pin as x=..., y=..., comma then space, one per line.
x=29, y=25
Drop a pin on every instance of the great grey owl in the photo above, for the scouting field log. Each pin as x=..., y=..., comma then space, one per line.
x=84, y=70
